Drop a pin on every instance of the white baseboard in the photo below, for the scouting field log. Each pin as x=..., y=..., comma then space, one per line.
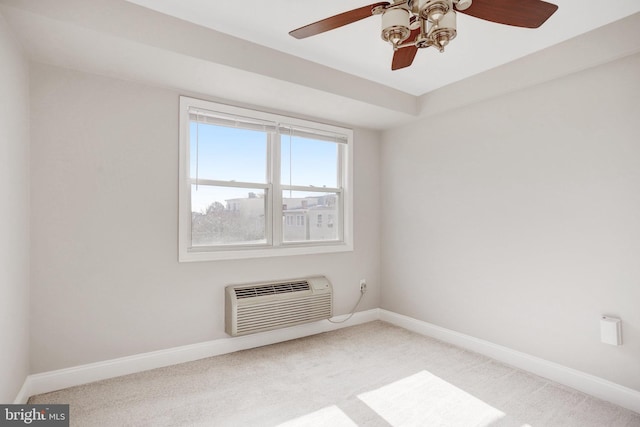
x=55, y=380
x=590, y=384
x=23, y=394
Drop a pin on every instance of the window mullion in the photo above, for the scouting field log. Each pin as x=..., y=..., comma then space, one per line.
x=342, y=182
x=276, y=196
x=310, y=188
x=237, y=184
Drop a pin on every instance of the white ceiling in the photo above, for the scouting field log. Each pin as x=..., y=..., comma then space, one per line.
x=357, y=49
x=211, y=49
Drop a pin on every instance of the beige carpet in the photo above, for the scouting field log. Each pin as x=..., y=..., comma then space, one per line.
x=374, y=374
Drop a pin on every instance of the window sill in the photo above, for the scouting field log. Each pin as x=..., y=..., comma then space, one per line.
x=221, y=255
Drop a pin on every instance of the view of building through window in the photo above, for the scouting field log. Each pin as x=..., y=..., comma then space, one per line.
x=302, y=218
x=229, y=221
x=242, y=220
x=232, y=181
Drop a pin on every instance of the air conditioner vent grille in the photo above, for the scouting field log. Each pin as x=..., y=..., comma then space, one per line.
x=259, y=307
x=272, y=289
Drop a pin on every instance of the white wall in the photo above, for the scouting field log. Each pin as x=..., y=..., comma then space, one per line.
x=517, y=220
x=105, y=215
x=14, y=216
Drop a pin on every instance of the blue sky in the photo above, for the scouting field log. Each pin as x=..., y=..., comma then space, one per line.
x=227, y=154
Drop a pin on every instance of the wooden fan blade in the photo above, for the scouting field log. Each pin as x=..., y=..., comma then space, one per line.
x=403, y=57
x=336, y=21
x=518, y=13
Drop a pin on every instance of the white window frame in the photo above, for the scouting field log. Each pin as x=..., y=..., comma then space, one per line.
x=275, y=246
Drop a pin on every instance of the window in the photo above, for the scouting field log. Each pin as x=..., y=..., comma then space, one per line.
x=252, y=182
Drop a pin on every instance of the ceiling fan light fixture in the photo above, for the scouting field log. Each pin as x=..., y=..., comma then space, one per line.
x=444, y=31
x=463, y=4
x=409, y=25
x=395, y=25
x=435, y=10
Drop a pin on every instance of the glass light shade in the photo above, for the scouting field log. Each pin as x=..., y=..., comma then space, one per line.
x=395, y=25
x=444, y=31
x=463, y=4
x=448, y=21
x=434, y=10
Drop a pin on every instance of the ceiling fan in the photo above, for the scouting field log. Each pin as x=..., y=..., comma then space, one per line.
x=410, y=25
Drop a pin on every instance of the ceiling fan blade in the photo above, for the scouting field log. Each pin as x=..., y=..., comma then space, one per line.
x=336, y=21
x=403, y=57
x=519, y=13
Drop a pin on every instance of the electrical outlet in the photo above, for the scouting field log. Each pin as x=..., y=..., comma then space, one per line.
x=363, y=285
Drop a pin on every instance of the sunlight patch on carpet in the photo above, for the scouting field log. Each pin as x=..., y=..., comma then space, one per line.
x=330, y=416
x=424, y=399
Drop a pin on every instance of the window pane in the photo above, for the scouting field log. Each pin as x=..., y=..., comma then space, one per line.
x=310, y=216
x=227, y=154
x=309, y=162
x=227, y=215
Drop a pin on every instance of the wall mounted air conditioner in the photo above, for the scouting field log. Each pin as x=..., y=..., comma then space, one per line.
x=265, y=306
